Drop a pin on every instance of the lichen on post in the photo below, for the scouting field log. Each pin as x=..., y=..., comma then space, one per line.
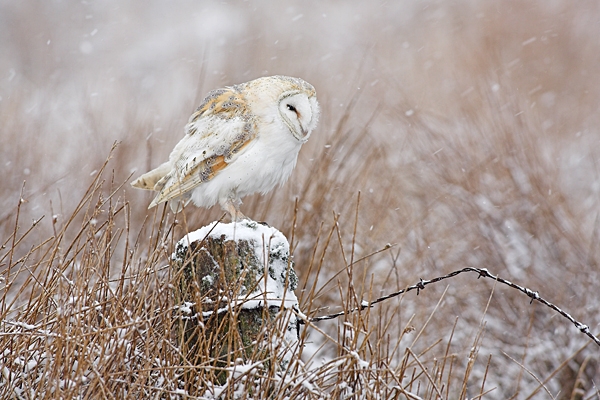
x=233, y=290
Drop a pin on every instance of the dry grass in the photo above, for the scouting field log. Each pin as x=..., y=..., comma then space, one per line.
x=76, y=327
x=470, y=130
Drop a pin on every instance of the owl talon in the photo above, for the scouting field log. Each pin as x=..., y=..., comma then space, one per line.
x=231, y=206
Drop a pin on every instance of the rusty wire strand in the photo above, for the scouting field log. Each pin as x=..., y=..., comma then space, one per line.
x=533, y=295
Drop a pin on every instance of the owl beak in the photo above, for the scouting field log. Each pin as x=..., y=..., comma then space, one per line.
x=303, y=137
x=299, y=132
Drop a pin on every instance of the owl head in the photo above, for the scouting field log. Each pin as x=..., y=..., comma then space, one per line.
x=296, y=102
x=299, y=109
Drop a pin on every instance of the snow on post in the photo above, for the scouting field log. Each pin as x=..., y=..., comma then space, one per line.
x=234, y=295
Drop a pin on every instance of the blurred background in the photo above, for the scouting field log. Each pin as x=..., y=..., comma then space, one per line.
x=469, y=127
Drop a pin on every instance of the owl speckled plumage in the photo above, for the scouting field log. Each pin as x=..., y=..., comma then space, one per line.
x=242, y=139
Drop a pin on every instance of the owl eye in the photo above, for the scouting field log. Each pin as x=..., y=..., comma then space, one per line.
x=291, y=107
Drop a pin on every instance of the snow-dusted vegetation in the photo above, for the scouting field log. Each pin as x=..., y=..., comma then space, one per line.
x=470, y=129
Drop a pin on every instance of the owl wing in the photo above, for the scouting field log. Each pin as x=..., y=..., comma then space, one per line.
x=219, y=131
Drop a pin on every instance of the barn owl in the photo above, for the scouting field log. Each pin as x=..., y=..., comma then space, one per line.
x=241, y=140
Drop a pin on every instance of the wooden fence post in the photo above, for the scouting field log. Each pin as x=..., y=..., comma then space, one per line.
x=233, y=293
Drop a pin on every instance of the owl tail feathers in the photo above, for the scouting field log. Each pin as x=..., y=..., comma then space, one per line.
x=149, y=179
x=156, y=180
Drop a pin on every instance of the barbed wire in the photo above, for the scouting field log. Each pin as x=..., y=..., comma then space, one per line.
x=533, y=295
